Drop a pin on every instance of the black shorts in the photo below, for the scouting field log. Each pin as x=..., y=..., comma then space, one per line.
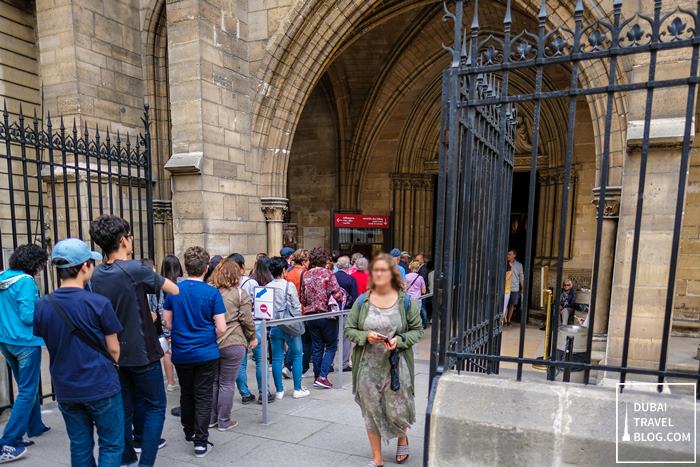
x=514, y=298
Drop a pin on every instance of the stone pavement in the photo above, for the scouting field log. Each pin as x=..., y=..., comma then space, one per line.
x=325, y=429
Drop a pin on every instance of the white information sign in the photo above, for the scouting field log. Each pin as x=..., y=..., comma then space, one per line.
x=264, y=302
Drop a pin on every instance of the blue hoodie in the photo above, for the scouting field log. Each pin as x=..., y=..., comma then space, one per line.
x=18, y=294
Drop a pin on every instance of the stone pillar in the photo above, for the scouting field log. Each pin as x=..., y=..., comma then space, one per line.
x=215, y=198
x=274, y=210
x=611, y=211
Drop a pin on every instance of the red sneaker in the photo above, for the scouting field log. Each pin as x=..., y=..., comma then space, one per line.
x=322, y=382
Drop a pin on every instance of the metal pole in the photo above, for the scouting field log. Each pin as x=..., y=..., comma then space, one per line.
x=341, y=356
x=263, y=391
x=567, y=357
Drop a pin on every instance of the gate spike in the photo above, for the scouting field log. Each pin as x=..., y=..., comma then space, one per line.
x=48, y=118
x=543, y=10
x=62, y=126
x=75, y=130
x=4, y=107
x=475, y=18
x=21, y=114
x=36, y=120
x=617, y=3
x=508, y=19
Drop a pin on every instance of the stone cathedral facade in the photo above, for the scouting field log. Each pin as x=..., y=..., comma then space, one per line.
x=268, y=116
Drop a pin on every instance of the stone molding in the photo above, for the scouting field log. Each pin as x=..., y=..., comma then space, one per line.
x=611, y=210
x=274, y=208
x=555, y=175
x=185, y=163
x=662, y=132
x=162, y=211
x=408, y=181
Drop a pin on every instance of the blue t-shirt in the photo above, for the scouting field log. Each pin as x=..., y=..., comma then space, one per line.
x=78, y=373
x=193, y=333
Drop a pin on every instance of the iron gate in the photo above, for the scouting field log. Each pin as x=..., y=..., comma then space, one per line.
x=55, y=180
x=476, y=163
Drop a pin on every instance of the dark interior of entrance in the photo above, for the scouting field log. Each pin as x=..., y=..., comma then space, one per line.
x=517, y=237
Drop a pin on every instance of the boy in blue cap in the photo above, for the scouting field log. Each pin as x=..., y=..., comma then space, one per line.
x=80, y=331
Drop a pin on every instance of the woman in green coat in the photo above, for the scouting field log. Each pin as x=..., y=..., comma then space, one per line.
x=384, y=320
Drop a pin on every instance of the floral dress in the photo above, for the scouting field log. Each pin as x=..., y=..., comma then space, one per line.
x=387, y=413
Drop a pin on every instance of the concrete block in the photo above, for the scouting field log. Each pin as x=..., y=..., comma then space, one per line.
x=182, y=163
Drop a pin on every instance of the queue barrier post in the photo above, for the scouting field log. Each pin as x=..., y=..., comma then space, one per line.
x=264, y=391
x=341, y=349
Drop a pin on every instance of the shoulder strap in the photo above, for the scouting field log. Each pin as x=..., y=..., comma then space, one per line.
x=79, y=332
x=362, y=298
x=245, y=282
x=414, y=281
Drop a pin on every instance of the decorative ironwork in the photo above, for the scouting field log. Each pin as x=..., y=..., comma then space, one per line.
x=59, y=179
x=476, y=158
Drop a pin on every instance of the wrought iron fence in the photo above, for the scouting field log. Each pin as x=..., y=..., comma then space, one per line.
x=476, y=164
x=57, y=178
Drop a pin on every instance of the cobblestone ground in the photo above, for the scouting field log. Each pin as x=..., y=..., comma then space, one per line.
x=325, y=429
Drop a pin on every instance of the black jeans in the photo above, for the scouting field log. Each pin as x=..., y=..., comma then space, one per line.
x=196, y=383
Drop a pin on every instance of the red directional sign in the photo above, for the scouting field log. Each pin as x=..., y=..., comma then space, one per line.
x=263, y=308
x=361, y=221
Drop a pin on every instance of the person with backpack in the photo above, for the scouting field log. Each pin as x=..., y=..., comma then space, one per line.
x=286, y=305
x=196, y=318
x=126, y=283
x=318, y=287
x=249, y=283
x=21, y=349
x=239, y=336
x=385, y=324
x=80, y=331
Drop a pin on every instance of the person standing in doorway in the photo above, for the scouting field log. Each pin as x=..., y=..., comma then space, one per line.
x=126, y=283
x=317, y=287
x=195, y=317
x=517, y=283
x=21, y=348
x=84, y=377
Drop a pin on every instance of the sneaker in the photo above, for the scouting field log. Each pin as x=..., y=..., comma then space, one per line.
x=137, y=445
x=213, y=425
x=347, y=369
x=323, y=383
x=286, y=373
x=303, y=392
x=270, y=398
x=171, y=387
x=200, y=451
x=9, y=453
x=279, y=395
x=245, y=400
x=175, y=411
x=234, y=424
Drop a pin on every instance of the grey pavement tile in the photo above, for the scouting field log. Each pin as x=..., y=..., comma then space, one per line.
x=347, y=412
x=221, y=453
x=281, y=427
x=279, y=454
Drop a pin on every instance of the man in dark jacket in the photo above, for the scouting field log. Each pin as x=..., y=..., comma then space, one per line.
x=349, y=284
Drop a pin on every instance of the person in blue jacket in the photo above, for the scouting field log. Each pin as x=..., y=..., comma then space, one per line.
x=22, y=350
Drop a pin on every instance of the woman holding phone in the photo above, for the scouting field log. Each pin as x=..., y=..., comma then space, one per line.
x=384, y=325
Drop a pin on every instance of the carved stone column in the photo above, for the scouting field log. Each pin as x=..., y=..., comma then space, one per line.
x=163, y=223
x=274, y=209
x=611, y=212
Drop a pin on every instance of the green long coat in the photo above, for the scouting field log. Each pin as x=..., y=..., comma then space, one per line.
x=410, y=333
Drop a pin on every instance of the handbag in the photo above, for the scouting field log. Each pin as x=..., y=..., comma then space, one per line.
x=295, y=328
x=394, y=359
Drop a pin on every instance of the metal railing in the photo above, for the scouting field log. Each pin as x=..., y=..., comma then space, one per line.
x=341, y=314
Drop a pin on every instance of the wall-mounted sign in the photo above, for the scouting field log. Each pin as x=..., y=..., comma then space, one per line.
x=361, y=221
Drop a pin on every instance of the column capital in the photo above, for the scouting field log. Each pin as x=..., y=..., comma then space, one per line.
x=274, y=208
x=611, y=210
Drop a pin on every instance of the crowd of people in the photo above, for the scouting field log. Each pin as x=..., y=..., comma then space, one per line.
x=118, y=332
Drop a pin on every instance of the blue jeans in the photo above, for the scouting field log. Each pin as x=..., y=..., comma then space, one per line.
x=424, y=313
x=107, y=415
x=278, y=338
x=25, y=363
x=242, y=379
x=307, y=351
x=142, y=387
x=324, y=339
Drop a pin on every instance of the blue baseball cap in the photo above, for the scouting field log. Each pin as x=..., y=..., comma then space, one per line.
x=74, y=251
x=286, y=251
x=395, y=252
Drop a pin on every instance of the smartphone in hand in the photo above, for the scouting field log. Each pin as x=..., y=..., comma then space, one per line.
x=382, y=336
